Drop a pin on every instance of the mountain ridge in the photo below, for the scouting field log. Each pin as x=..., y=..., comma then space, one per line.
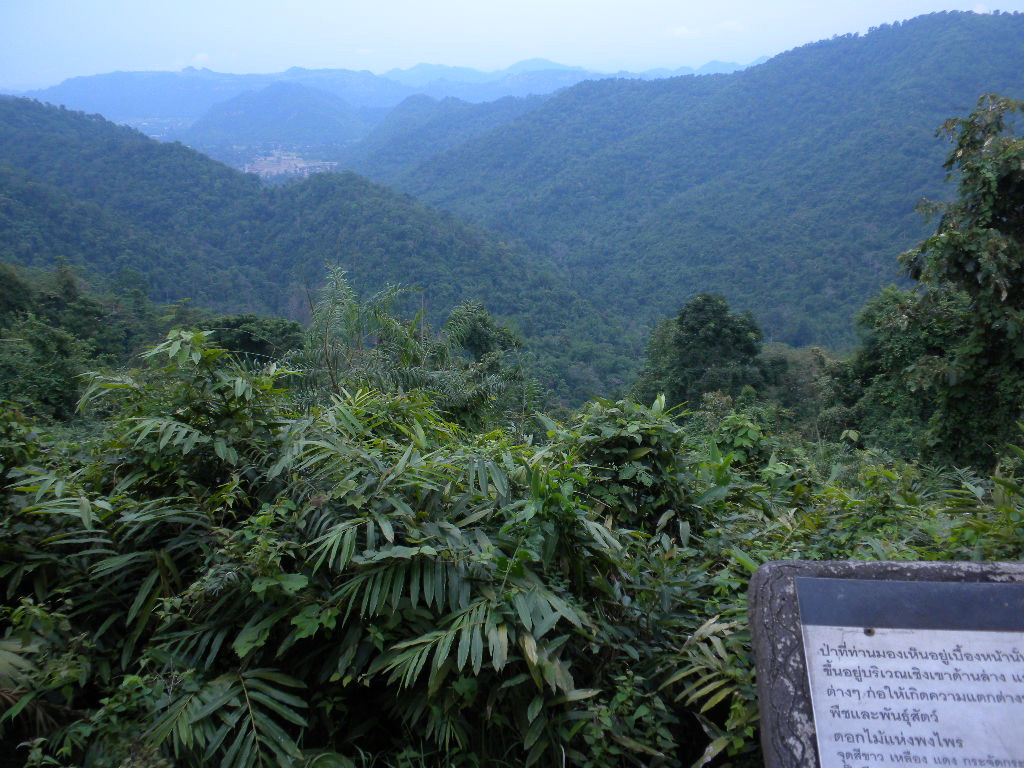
x=183, y=96
x=789, y=186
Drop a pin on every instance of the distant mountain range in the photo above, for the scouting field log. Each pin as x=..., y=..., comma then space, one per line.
x=318, y=113
x=155, y=99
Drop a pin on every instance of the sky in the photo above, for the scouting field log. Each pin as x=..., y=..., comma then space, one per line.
x=45, y=41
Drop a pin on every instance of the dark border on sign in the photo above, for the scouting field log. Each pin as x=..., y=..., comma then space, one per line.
x=954, y=605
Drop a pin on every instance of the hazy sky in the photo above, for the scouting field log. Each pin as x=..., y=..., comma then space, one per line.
x=45, y=41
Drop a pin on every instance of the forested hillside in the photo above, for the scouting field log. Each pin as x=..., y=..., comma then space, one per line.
x=319, y=126
x=421, y=127
x=787, y=186
x=195, y=228
x=280, y=115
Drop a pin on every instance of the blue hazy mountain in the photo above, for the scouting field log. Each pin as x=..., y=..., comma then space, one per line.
x=187, y=95
x=178, y=98
x=282, y=114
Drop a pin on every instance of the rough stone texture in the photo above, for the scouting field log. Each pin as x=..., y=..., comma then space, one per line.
x=784, y=701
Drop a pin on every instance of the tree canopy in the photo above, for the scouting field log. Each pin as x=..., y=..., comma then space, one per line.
x=978, y=249
x=705, y=348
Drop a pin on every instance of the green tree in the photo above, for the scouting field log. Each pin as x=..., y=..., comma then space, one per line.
x=256, y=337
x=39, y=367
x=879, y=391
x=15, y=293
x=978, y=248
x=703, y=349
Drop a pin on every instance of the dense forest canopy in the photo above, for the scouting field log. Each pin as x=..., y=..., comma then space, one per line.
x=786, y=186
x=111, y=201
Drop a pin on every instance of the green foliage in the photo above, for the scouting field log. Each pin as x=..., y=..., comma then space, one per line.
x=795, y=383
x=52, y=329
x=882, y=390
x=226, y=578
x=39, y=366
x=17, y=446
x=250, y=586
x=978, y=249
x=470, y=369
x=706, y=348
x=632, y=452
x=258, y=338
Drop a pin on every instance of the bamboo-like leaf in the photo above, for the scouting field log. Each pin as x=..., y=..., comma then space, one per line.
x=386, y=528
x=465, y=639
x=414, y=581
x=429, y=572
x=523, y=609
x=716, y=698
x=578, y=694
x=105, y=567
x=497, y=645
x=634, y=745
x=220, y=698
x=697, y=694
x=143, y=595
x=542, y=627
x=535, y=707
x=712, y=751
x=537, y=725
x=270, y=702
x=476, y=653
x=536, y=752
x=443, y=648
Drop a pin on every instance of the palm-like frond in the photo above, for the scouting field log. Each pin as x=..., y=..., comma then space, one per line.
x=238, y=720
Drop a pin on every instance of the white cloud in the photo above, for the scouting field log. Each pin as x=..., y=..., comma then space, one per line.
x=683, y=33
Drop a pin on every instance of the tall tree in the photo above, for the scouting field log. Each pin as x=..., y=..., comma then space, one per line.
x=703, y=349
x=978, y=248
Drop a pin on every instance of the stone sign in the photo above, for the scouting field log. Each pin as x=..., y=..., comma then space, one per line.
x=862, y=665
